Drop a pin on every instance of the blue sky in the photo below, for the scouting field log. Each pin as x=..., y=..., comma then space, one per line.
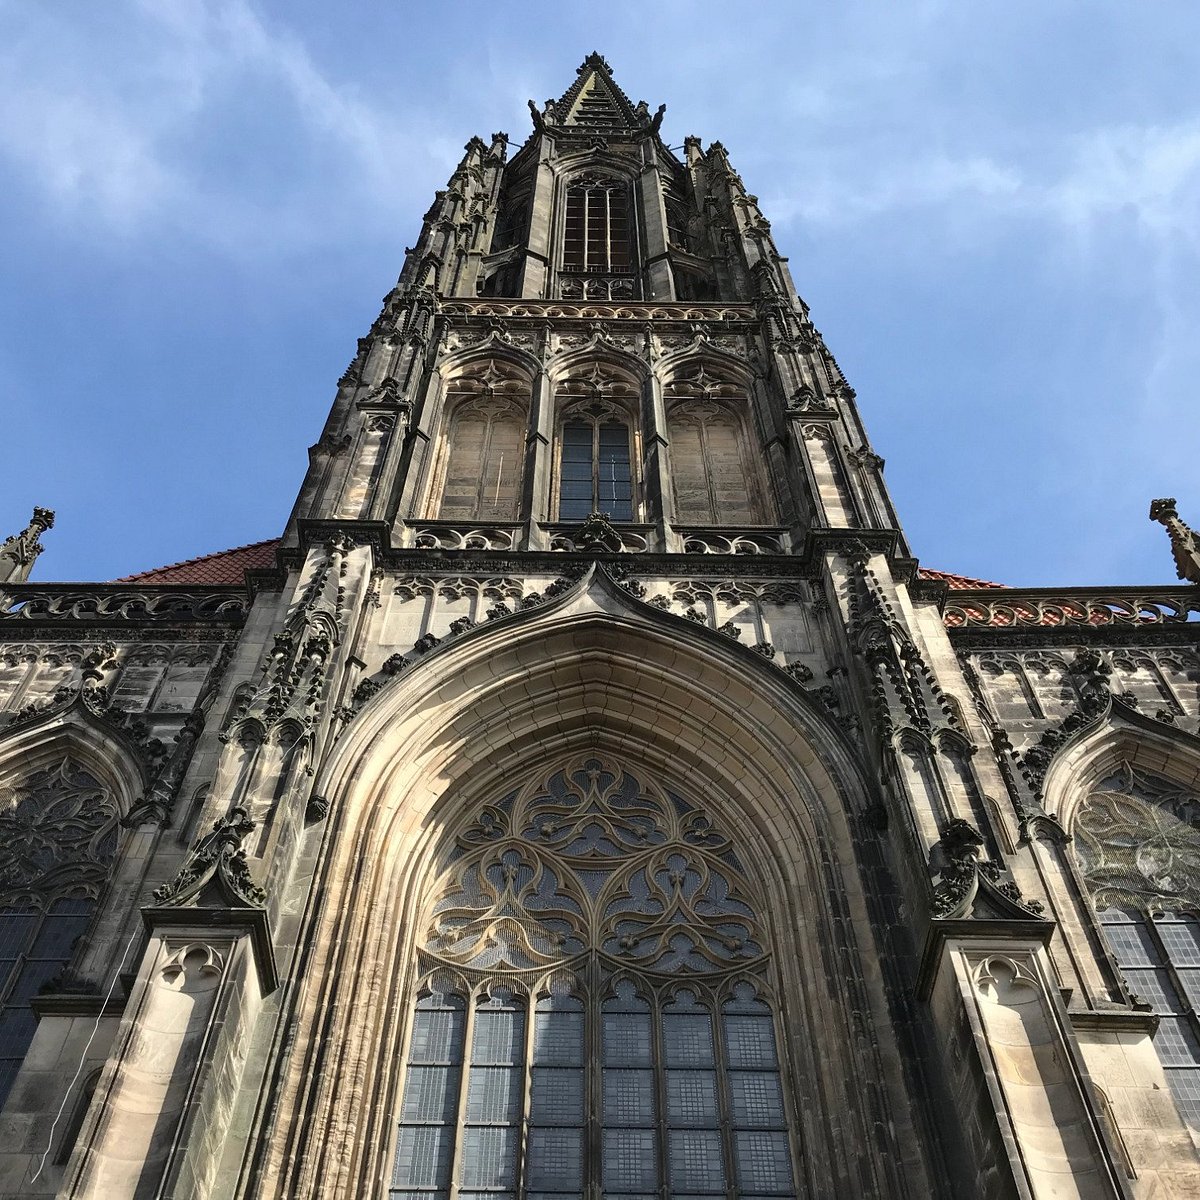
x=992, y=209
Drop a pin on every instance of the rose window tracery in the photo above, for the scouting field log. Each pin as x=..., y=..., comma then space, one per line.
x=593, y=956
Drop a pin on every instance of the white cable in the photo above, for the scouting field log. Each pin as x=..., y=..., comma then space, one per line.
x=83, y=1057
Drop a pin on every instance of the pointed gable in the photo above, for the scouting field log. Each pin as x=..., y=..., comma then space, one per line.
x=594, y=102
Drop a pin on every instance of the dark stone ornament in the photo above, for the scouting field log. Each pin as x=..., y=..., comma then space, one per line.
x=598, y=535
x=968, y=886
x=216, y=868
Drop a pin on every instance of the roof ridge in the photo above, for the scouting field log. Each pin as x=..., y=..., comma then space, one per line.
x=191, y=562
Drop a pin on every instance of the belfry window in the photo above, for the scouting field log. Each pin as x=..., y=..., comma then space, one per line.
x=595, y=455
x=58, y=833
x=715, y=474
x=593, y=959
x=484, y=452
x=1137, y=839
x=711, y=474
x=597, y=233
x=594, y=470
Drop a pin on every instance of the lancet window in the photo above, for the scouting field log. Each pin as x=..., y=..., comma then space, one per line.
x=596, y=450
x=1137, y=839
x=58, y=835
x=713, y=473
x=598, y=240
x=594, y=1014
x=484, y=452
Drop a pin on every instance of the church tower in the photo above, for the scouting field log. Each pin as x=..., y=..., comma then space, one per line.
x=588, y=794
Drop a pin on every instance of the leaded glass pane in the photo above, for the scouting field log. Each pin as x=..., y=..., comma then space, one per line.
x=1176, y=1043
x=1131, y=944
x=1181, y=937
x=423, y=1156
x=437, y=1036
x=687, y=1039
x=430, y=1095
x=628, y=1097
x=499, y=1036
x=695, y=1160
x=692, y=1098
x=764, y=1162
x=627, y=1039
x=1155, y=988
x=557, y=1096
x=1185, y=1087
x=1190, y=978
x=555, y=1159
x=750, y=1040
x=558, y=1038
x=494, y=1095
x=630, y=1160
x=489, y=1157
x=756, y=1098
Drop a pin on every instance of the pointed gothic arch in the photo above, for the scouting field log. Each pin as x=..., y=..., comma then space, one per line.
x=66, y=782
x=1128, y=793
x=591, y=672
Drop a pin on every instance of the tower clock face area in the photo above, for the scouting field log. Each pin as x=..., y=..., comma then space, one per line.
x=589, y=794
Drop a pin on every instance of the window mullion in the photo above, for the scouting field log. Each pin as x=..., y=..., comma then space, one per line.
x=724, y=1105
x=522, y=1170
x=595, y=466
x=658, y=1058
x=607, y=229
x=709, y=479
x=593, y=1122
x=464, y=1083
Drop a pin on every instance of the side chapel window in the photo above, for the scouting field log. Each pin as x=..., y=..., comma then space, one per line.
x=713, y=475
x=1137, y=839
x=594, y=1015
x=484, y=453
x=58, y=835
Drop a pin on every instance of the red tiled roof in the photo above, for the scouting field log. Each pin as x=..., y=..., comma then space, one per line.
x=226, y=566
x=956, y=583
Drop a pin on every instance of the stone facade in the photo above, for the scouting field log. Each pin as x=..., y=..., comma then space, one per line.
x=589, y=793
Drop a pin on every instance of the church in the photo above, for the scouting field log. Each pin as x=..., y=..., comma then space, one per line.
x=589, y=794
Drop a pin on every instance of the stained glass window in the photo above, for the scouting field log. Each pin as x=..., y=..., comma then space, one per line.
x=1137, y=838
x=58, y=832
x=594, y=959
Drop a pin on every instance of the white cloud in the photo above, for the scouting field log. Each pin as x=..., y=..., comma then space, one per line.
x=105, y=122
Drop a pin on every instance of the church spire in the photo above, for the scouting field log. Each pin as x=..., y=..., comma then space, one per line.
x=595, y=105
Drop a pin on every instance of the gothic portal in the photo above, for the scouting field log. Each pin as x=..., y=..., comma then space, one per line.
x=588, y=794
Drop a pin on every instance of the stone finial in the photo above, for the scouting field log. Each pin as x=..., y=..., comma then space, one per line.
x=1185, y=542
x=17, y=554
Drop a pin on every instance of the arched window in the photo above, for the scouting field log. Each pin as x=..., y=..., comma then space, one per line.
x=712, y=476
x=1137, y=840
x=595, y=461
x=58, y=835
x=597, y=235
x=715, y=475
x=484, y=453
x=593, y=1016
